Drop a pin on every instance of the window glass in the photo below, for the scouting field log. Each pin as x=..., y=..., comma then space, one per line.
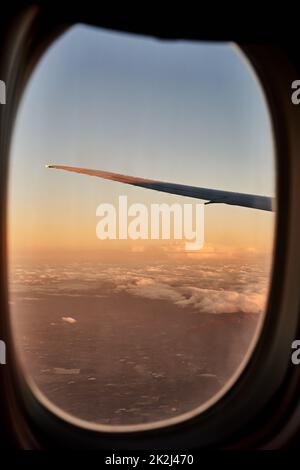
x=142, y=328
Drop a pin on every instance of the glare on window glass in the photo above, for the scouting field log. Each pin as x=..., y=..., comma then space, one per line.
x=131, y=301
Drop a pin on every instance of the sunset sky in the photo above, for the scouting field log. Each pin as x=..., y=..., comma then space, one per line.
x=184, y=112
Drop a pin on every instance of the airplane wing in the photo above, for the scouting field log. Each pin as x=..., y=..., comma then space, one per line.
x=212, y=196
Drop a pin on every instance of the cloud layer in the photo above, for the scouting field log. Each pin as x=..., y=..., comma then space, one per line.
x=207, y=287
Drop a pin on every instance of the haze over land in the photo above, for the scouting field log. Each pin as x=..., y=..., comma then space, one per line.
x=130, y=344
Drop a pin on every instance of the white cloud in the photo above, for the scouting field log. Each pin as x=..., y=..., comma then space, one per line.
x=223, y=301
x=69, y=320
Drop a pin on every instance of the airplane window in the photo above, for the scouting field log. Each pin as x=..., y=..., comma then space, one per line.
x=132, y=302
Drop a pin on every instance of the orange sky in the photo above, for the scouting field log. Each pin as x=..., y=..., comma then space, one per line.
x=190, y=113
